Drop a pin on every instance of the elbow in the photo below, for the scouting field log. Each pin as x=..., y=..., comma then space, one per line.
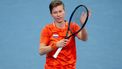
x=84, y=39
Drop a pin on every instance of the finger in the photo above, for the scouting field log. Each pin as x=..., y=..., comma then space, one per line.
x=66, y=40
x=64, y=45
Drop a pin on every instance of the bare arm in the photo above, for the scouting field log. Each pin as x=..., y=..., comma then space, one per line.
x=46, y=49
x=82, y=35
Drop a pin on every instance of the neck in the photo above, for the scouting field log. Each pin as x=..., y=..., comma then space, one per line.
x=60, y=25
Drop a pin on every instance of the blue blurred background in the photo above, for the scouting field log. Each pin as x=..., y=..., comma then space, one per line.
x=22, y=20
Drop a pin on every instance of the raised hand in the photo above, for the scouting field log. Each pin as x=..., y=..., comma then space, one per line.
x=83, y=17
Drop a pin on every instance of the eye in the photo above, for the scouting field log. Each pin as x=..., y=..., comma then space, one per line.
x=60, y=11
x=55, y=12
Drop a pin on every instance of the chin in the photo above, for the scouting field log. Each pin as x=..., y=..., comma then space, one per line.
x=60, y=21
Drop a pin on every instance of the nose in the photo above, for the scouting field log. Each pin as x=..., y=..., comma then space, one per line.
x=58, y=14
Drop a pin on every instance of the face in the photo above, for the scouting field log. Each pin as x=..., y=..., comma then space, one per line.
x=58, y=14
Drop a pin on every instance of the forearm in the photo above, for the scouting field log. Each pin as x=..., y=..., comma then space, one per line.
x=44, y=49
x=54, y=45
x=82, y=35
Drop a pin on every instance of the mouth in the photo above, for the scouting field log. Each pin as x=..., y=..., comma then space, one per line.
x=59, y=18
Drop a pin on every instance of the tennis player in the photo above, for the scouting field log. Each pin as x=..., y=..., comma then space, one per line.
x=52, y=37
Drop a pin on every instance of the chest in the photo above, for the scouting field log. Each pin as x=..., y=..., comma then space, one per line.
x=57, y=34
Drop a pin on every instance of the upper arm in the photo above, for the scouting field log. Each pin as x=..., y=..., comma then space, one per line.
x=44, y=36
x=44, y=41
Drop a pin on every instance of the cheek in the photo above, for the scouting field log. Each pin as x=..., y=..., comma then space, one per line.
x=53, y=15
x=63, y=13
